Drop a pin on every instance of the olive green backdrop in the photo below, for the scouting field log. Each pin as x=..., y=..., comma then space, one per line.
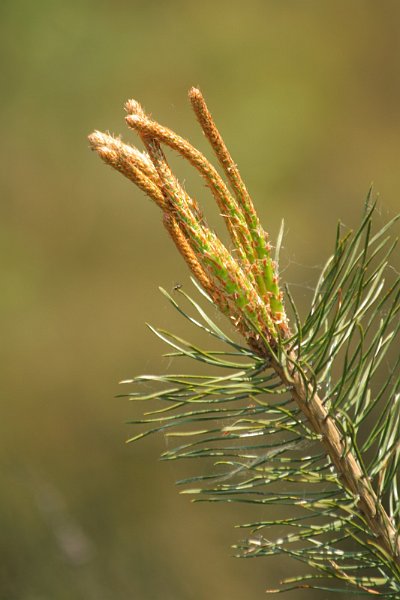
x=307, y=95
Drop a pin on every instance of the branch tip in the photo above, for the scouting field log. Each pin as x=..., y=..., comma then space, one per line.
x=133, y=107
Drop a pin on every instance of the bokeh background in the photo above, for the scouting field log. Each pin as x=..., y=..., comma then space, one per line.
x=307, y=95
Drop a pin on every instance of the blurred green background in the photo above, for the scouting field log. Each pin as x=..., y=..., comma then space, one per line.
x=307, y=95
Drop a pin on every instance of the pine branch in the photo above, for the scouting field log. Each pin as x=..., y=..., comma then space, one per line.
x=353, y=322
x=346, y=463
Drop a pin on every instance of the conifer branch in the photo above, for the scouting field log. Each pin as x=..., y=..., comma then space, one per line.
x=290, y=364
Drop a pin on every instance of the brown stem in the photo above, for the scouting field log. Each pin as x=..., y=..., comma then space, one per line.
x=186, y=251
x=346, y=464
x=222, y=153
x=230, y=211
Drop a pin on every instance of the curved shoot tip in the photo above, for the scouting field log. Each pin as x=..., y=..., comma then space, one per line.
x=133, y=107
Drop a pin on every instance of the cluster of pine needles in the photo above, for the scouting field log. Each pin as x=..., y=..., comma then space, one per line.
x=299, y=416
